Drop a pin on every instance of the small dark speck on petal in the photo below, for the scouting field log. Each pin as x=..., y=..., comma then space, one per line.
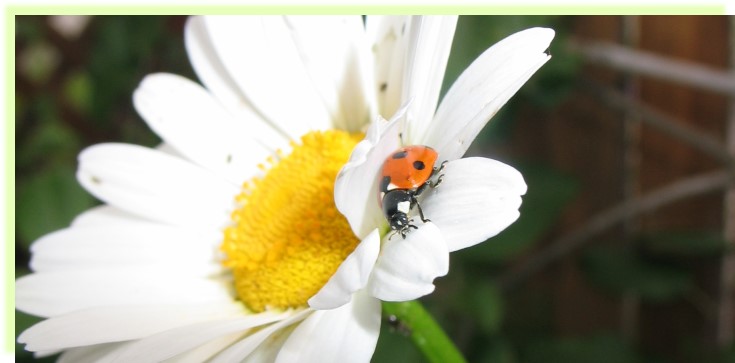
x=383, y=86
x=96, y=180
x=229, y=158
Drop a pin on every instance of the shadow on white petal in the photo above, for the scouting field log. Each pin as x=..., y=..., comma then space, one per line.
x=170, y=343
x=336, y=56
x=478, y=198
x=113, y=324
x=207, y=350
x=428, y=51
x=97, y=353
x=352, y=275
x=356, y=187
x=346, y=334
x=406, y=269
x=248, y=346
x=209, y=68
x=268, y=67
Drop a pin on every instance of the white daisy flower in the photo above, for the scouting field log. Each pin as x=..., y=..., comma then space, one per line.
x=202, y=253
x=477, y=199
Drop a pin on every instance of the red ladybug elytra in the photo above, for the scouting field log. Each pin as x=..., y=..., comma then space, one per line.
x=405, y=175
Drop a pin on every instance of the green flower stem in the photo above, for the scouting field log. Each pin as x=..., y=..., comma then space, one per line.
x=424, y=331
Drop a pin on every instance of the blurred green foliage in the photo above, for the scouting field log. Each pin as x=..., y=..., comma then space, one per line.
x=621, y=270
x=72, y=93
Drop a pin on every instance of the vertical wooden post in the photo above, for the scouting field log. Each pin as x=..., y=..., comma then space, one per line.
x=726, y=300
x=630, y=302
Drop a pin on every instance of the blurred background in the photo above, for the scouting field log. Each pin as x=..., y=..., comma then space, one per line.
x=626, y=137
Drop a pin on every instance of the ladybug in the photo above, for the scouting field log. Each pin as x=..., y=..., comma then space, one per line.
x=406, y=173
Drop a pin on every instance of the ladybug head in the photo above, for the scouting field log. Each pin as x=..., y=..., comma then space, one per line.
x=399, y=221
x=400, y=224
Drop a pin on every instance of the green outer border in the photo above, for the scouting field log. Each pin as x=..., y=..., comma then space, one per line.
x=10, y=182
x=526, y=9
x=14, y=10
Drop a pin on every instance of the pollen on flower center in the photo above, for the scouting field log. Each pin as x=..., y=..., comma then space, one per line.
x=287, y=237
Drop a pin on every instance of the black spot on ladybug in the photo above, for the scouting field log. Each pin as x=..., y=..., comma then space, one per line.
x=384, y=184
x=418, y=165
x=399, y=154
x=383, y=86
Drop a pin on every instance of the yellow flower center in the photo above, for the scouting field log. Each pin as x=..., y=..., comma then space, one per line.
x=287, y=237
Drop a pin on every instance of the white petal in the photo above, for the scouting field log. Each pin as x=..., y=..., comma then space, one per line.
x=140, y=245
x=187, y=117
x=114, y=324
x=352, y=275
x=335, y=52
x=98, y=353
x=46, y=353
x=346, y=334
x=105, y=214
x=208, y=65
x=61, y=292
x=407, y=268
x=267, y=351
x=211, y=71
x=242, y=349
x=389, y=36
x=207, y=350
x=428, y=51
x=266, y=64
x=484, y=87
x=172, y=342
x=477, y=199
x=356, y=187
x=154, y=185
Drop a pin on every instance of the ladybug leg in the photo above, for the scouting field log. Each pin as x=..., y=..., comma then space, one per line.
x=441, y=167
x=393, y=234
x=404, y=231
x=421, y=211
x=439, y=179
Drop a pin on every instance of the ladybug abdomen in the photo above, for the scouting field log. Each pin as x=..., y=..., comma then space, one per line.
x=408, y=168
